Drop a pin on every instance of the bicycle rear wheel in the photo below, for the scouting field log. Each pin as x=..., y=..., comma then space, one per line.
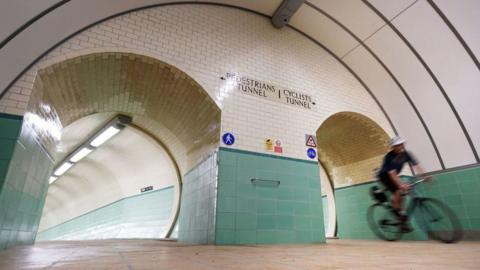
x=383, y=222
x=439, y=221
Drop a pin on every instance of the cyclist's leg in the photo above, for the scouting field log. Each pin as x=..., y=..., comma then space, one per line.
x=397, y=198
x=397, y=204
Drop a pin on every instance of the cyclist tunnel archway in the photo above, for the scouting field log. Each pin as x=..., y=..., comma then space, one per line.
x=175, y=124
x=350, y=146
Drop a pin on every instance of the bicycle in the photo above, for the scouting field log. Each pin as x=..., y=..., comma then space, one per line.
x=432, y=216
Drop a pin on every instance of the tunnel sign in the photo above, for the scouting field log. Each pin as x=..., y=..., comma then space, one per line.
x=311, y=153
x=310, y=140
x=228, y=138
x=269, y=91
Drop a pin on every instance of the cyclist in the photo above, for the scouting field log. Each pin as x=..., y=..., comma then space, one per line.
x=389, y=175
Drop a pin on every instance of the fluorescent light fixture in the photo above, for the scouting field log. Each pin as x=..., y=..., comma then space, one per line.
x=62, y=169
x=52, y=179
x=80, y=154
x=104, y=136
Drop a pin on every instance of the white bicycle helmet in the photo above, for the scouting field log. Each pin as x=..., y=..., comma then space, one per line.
x=397, y=140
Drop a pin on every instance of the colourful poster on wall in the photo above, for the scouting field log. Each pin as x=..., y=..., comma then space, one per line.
x=278, y=148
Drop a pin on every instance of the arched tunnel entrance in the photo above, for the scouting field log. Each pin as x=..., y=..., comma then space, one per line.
x=350, y=146
x=175, y=124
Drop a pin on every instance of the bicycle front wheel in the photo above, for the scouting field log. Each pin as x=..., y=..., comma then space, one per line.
x=383, y=222
x=439, y=221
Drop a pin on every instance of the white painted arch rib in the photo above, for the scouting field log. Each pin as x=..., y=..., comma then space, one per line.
x=16, y=13
x=465, y=17
x=353, y=14
x=390, y=9
x=397, y=107
x=451, y=142
x=447, y=59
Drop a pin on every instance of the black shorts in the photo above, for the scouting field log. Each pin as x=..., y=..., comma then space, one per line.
x=388, y=183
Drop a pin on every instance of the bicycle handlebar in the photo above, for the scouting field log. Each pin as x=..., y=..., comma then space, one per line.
x=417, y=182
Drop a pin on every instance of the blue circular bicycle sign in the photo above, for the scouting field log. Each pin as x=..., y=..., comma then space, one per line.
x=228, y=138
x=311, y=153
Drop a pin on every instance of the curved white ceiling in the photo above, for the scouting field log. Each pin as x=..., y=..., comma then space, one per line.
x=418, y=58
x=118, y=169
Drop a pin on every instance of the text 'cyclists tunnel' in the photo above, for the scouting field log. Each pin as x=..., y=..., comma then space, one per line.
x=175, y=124
x=350, y=147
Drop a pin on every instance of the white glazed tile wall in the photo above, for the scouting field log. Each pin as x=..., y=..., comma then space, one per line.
x=208, y=41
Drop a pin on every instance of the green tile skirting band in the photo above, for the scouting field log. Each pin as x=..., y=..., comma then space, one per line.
x=107, y=205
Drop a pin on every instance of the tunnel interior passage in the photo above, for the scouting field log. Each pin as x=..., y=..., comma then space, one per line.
x=174, y=121
x=350, y=147
x=100, y=197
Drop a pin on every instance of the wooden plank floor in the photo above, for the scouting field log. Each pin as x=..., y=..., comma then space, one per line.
x=152, y=254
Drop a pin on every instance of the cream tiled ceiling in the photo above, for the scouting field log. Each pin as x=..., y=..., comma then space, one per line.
x=392, y=8
x=391, y=97
x=452, y=144
x=436, y=55
x=465, y=16
x=448, y=60
x=322, y=29
x=162, y=100
x=353, y=14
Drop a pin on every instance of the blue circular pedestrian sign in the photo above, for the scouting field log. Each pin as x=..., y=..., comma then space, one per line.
x=311, y=153
x=228, y=138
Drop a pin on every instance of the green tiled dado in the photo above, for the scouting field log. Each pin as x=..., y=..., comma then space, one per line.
x=263, y=212
x=22, y=193
x=196, y=222
x=460, y=190
x=145, y=215
x=10, y=126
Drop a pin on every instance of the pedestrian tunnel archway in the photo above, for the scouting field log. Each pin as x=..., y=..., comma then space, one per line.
x=350, y=147
x=175, y=124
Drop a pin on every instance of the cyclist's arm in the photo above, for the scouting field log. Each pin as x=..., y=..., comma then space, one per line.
x=396, y=179
x=418, y=169
x=421, y=172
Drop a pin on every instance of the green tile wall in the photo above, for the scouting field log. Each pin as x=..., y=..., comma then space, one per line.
x=10, y=126
x=145, y=215
x=325, y=212
x=263, y=213
x=196, y=223
x=459, y=189
x=23, y=192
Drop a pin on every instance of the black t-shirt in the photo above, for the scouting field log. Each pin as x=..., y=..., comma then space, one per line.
x=393, y=161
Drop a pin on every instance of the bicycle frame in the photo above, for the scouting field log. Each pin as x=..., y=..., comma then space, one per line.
x=415, y=198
